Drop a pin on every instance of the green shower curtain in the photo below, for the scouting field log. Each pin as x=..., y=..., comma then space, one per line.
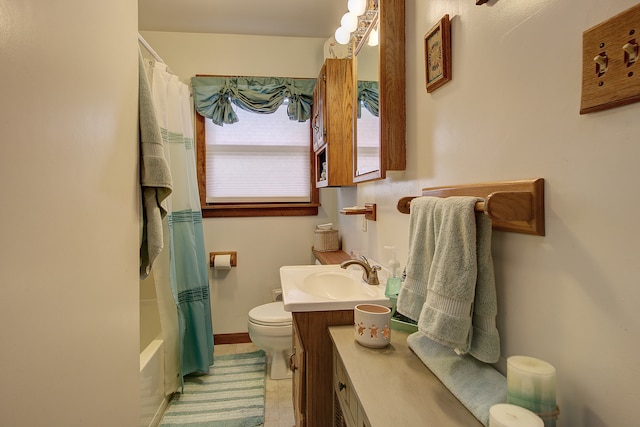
x=188, y=263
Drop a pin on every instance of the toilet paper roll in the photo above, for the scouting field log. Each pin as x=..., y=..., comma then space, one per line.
x=222, y=262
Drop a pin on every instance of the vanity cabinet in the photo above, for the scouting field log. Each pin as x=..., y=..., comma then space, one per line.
x=332, y=124
x=348, y=410
x=389, y=386
x=313, y=359
x=296, y=364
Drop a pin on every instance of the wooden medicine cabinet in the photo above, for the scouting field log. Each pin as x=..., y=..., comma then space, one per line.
x=331, y=124
x=379, y=142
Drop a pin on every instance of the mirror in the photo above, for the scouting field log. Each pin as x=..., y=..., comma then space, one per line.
x=367, y=128
x=379, y=140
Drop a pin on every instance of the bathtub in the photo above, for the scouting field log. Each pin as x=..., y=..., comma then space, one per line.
x=152, y=398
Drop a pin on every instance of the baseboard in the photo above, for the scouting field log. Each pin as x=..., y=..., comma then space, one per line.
x=155, y=422
x=239, y=338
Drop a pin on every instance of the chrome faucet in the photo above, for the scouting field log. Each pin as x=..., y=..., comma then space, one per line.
x=369, y=273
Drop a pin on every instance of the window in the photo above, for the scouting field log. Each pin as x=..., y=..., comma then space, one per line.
x=259, y=166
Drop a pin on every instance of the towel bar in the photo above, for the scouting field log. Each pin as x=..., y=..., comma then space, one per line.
x=515, y=206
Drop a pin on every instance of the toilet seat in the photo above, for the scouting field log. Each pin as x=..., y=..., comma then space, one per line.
x=271, y=314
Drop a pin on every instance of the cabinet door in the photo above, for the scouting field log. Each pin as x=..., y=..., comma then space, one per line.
x=362, y=420
x=299, y=387
x=317, y=111
x=332, y=123
x=344, y=392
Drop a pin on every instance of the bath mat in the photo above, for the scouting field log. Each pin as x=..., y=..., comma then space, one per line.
x=231, y=395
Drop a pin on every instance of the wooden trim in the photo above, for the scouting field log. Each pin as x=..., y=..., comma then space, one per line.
x=201, y=156
x=393, y=86
x=228, y=211
x=239, y=338
x=515, y=206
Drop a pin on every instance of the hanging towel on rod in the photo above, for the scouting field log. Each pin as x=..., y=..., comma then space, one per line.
x=155, y=176
x=449, y=288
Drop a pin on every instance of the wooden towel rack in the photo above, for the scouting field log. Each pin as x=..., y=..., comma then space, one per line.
x=516, y=206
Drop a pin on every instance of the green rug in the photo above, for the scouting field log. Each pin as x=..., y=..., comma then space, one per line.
x=232, y=395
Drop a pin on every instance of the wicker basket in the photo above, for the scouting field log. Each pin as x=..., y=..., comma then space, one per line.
x=326, y=240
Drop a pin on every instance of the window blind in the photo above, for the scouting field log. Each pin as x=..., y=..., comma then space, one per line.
x=261, y=158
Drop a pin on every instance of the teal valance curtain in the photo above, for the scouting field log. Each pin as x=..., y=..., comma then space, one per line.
x=213, y=96
x=368, y=96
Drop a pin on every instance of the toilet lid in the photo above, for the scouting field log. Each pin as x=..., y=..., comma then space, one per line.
x=271, y=314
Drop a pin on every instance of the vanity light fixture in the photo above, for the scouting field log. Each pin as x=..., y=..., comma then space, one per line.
x=373, y=37
x=357, y=7
x=349, y=22
x=354, y=23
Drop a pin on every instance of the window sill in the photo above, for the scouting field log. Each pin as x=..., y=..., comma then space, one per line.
x=249, y=210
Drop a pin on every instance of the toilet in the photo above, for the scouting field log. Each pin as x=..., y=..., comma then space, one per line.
x=270, y=328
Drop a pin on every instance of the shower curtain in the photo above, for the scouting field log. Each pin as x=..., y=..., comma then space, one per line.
x=183, y=268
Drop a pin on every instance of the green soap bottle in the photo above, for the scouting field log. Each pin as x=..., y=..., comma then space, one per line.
x=394, y=283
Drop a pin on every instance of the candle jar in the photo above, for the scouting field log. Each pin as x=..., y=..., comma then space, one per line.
x=531, y=384
x=506, y=415
x=372, y=325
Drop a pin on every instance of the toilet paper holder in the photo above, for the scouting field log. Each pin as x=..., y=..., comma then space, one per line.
x=233, y=255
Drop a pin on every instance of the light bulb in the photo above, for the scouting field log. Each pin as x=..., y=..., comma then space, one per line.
x=342, y=35
x=357, y=7
x=373, y=38
x=349, y=22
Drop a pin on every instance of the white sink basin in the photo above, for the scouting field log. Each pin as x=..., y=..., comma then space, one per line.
x=326, y=288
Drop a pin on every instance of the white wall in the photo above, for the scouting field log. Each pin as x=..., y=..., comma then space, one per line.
x=263, y=244
x=510, y=112
x=69, y=251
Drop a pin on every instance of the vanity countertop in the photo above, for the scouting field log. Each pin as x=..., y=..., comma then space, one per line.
x=331, y=257
x=394, y=386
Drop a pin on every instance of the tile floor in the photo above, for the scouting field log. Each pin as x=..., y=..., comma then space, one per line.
x=278, y=399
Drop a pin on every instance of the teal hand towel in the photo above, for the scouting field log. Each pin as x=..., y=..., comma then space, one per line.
x=421, y=251
x=485, y=340
x=476, y=385
x=447, y=311
x=449, y=288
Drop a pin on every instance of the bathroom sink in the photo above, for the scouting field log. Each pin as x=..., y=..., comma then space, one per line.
x=334, y=285
x=326, y=288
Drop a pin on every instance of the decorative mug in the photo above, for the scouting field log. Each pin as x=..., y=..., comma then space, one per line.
x=372, y=325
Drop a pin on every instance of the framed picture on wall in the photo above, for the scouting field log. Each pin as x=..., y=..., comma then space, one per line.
x=437, y=54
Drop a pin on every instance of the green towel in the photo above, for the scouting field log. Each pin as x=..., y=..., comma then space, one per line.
x=155, y=176
x=421, y=251
x=448, y=308
x=450, y=287
x=485, y=340
x=476, y=385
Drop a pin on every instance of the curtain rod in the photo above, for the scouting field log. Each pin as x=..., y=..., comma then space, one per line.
x=147, y=46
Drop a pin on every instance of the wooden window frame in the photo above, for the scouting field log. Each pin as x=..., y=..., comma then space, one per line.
x=227, y=210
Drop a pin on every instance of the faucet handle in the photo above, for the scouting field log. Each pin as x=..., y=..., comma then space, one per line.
x=373, y=276
x=366, y=261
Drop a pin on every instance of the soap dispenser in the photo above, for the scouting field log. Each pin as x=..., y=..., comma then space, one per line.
x=394, y=283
